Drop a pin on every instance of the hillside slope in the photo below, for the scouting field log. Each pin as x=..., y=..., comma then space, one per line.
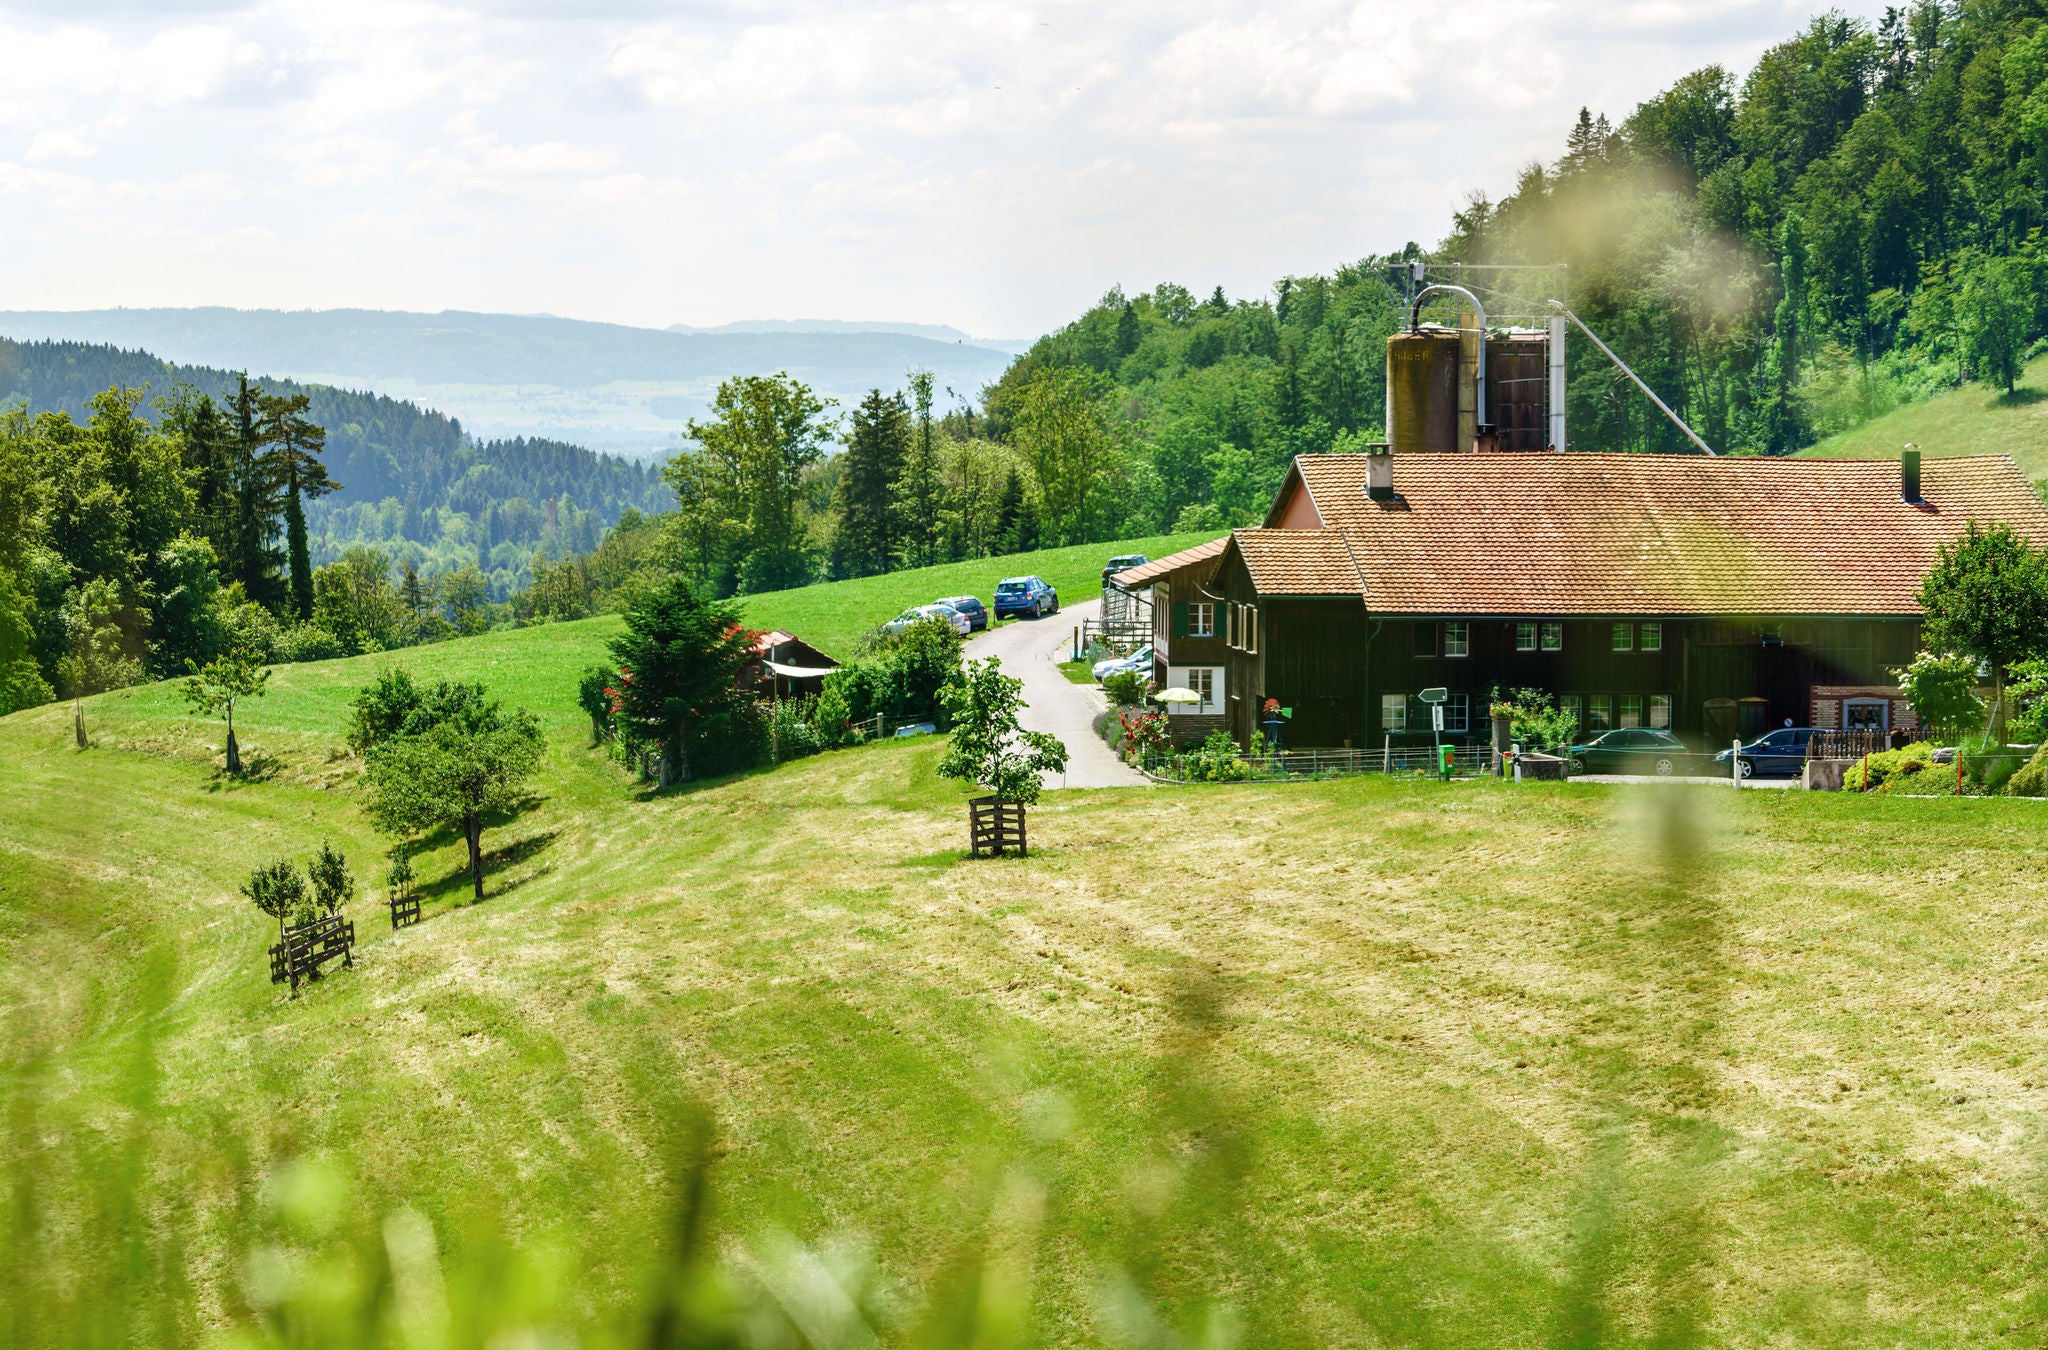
x=1973, y=420
x=1360, y=1057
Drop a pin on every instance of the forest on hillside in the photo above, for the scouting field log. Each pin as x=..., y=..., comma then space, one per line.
x=411, y=482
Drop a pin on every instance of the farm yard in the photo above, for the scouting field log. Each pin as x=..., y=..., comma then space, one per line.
x=1360, y=1062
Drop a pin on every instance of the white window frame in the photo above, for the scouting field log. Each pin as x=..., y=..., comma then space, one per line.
x=1458, y=713
x=1605, y=703
x=1457, y=638
x=1251, y=629
x=1551, y=637
x=1624, y=637
x=1628, y=710
x=1575, y=704
x=1201, y=618
x=1657, y=712
x=1650, y=637
x=1525, y=637
x=1195, y=678
x=1393, y=713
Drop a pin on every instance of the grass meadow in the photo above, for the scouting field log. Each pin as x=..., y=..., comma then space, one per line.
x=1374, y=1063
x=1972, y=420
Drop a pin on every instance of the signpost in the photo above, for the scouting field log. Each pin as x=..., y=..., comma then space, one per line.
x=1435, y=697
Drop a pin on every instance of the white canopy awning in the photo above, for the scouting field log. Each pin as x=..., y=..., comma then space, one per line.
x=799, y=672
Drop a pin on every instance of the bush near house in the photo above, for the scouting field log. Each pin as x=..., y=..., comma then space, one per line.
x=2032, y=778
x=1891, y=769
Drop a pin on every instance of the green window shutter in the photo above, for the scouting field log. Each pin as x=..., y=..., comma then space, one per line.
x=1180, y=620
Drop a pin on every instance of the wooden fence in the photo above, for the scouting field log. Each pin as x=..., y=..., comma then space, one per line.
x=405, y=911
x=1847, y=744
x=1122, y=637
x=304, y=948
x=994, y=825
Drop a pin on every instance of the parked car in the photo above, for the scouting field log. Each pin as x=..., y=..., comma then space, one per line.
x=951, y=617
x=1026, y=595
x=1139, y=661
x=976, y=612
x=1777, y=754
x=1632, y=750
x=1123, y=562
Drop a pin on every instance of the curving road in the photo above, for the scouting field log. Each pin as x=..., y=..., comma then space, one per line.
x=1031, y=650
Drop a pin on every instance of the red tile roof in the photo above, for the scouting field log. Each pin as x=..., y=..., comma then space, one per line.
x=1161, y=568
x=1596, y=534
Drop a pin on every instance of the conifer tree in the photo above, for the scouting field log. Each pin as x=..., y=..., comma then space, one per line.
x=867, y=538
x=921, y=493
x=295, y=442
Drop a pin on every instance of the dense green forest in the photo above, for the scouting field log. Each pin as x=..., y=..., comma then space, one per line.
x=411, y=482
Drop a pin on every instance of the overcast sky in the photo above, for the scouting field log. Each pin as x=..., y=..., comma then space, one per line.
x=995, y=166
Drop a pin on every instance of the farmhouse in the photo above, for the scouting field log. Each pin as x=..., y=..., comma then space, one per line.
x=1713, y=596
x=783, y=665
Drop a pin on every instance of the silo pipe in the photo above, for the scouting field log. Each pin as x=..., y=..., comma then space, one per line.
x=1479, y=375
x=1622, y=366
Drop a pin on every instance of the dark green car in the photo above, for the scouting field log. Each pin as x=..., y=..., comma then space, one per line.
x=1632, y=750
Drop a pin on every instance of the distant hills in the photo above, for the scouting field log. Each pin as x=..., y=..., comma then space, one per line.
x=937, y=332
x=608, y=386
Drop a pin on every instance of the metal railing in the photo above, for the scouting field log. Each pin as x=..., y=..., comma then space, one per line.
x=1119, y=636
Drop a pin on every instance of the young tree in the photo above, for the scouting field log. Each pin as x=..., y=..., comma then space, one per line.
x=455, y=773
x=96, y=656
x=678, y=660
x=213, y=689
x=278, y=889
x=1987, y=596
x=333, y=884
x=295, y=442
x=987, y=746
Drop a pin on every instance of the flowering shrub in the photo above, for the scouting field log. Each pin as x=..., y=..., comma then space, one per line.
x=1141, y=732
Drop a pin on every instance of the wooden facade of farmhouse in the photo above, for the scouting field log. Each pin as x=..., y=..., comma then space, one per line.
x=1713, y=598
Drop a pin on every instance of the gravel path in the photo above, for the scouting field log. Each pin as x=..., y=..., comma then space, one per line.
x=1031, y=650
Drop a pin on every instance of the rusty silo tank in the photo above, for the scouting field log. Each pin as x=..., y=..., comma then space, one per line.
x=1431, y=390
x=1422, y=390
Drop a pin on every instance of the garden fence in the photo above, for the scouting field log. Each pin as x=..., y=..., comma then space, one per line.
x=1466, y=761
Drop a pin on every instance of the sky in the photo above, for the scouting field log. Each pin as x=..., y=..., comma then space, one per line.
x=990, y=165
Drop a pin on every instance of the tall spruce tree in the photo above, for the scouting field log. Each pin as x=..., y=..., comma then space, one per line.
x=250, y=556
x=921, y=493
x=867, y=538
x=295, y=442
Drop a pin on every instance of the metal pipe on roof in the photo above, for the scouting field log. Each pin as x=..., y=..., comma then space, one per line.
x=1479, y=377
x=1622, y=366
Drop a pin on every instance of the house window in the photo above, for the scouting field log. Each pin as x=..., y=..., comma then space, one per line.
x=1201, y=619
x=1525, y=637
x=1631, y=711
x=1624, y=637
x=1457, y=639
x=1599, y=712
x=1204, y=680
x=1576, y=706
x=1458, y=712
x=1553, y=637
x=1393, y=712
x=1425, y=639
x=1660, y=711
x=1653, y=637
x=1251, y=628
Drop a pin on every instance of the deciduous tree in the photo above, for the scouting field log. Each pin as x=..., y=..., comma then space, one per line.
x=457, y=772
x=213, y=689
x=986, y=745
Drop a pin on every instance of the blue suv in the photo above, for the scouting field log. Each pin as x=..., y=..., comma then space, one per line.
x=1025, y=595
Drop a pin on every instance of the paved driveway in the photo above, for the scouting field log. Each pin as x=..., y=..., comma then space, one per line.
x=1031, y=650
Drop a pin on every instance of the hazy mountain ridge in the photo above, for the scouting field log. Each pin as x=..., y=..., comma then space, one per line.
x=606, y=385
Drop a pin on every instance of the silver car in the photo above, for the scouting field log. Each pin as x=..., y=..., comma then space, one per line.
x=946, y=614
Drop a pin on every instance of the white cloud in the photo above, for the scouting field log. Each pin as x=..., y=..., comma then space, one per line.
x=994, y=165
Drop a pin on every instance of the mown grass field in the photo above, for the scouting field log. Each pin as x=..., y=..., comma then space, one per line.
x=1373, y=1063
x=833, y=617
x=1973, y=420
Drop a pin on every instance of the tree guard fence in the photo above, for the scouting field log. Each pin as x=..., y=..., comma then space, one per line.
x=304, y=948
x=995, y=825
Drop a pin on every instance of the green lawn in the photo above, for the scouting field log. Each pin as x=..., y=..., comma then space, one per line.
x=1370, y=1062
x=1973, y=420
